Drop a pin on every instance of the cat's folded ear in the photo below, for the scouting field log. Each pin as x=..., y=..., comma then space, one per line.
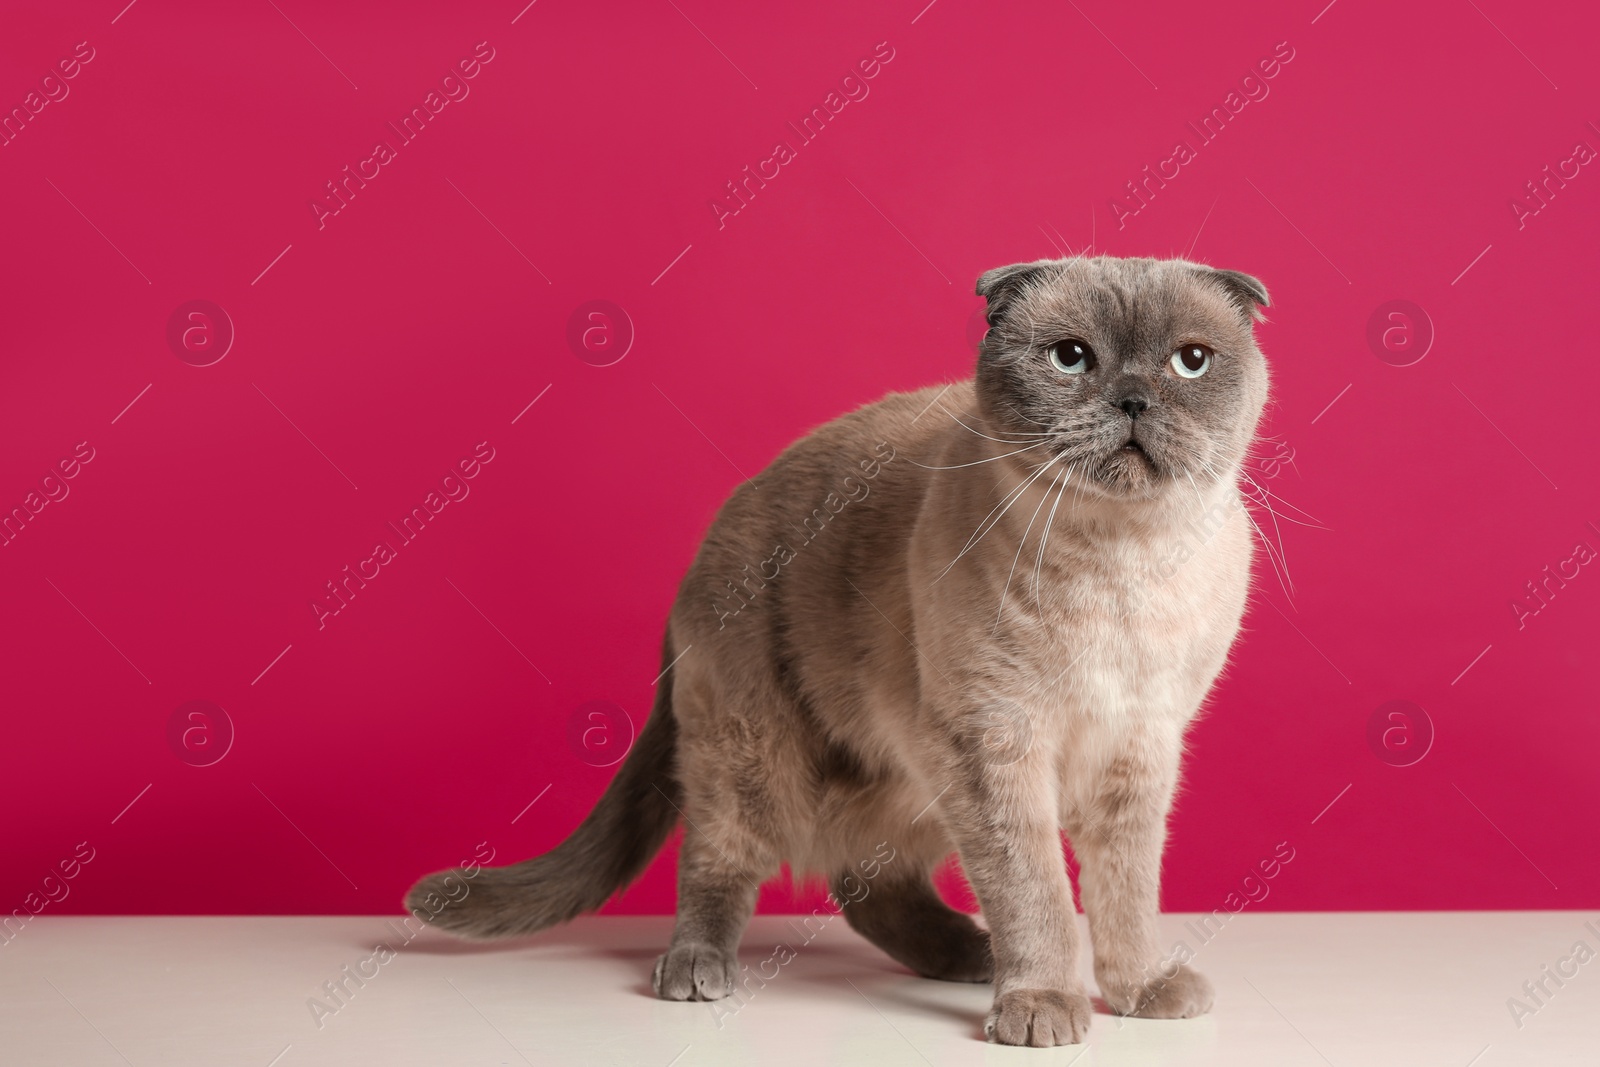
x=1001, y=285
x=1246, y=291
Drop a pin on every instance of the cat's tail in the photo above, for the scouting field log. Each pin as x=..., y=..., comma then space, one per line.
x=609, y=849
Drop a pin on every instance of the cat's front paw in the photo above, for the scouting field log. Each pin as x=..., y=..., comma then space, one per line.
x=1040, y=1018
x=1184, y=995
x=694, y=972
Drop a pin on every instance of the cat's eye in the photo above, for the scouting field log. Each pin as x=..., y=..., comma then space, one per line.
x=1191, y=361
x=1071, y=356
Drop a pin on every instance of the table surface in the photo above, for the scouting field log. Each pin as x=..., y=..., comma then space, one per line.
x=1313, y=989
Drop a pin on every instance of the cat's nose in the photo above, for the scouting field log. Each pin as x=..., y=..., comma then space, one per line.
x=1133, y=406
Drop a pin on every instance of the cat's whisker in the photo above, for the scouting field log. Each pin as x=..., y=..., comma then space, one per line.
x=1002, y=440
x=1053, y=244
x=1315, y=523
x=1275, y=552
x=973, y=538
x=1070, y=253
x=1275, y=528
x=1077, y=495
x=1272, y=558
x=1022, y=542
x=1007, y=501
x=1199, y=501
x=974, y=463
x=1013, y=409
x=1264, y=502
x=1044, y=538
x=1216, y=476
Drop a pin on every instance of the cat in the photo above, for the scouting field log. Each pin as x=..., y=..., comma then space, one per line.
x=875, y=654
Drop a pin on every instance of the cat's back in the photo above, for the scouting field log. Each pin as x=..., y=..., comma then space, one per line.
x=903, y=423
x=842, y=497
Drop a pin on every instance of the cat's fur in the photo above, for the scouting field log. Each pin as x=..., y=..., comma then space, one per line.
x=851, y=687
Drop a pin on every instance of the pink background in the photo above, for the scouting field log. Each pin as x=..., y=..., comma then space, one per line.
x=377, y=351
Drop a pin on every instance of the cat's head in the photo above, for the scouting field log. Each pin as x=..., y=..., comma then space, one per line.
x=1140, y=374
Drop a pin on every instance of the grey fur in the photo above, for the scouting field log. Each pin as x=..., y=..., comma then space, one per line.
x=902, y=915
x=609, y=849
x=859, y=612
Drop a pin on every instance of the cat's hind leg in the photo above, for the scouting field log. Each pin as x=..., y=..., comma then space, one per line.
x=900, y=912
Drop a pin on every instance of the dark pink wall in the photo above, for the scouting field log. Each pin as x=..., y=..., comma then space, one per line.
x=374, y=352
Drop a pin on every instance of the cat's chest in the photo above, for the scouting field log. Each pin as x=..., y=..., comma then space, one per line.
x=1165, y=579
x=1142, y=627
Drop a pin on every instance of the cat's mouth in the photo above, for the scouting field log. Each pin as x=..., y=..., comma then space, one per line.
x=1129, y=467
x=1133, y=450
